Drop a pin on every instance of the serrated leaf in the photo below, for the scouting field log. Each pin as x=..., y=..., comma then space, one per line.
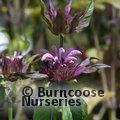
x=85, y=20
x=79, y=112
x=66, y=113
x=88, y=13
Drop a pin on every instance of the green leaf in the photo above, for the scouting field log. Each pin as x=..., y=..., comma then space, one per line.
x=45, y=113
x=85, y=20
x=79, y=112
x=66, y=113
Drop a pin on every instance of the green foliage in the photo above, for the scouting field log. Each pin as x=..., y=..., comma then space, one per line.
x=62, y=112
x=80, y=113
x=66, y=113
x=45, y=113
x=88, y=13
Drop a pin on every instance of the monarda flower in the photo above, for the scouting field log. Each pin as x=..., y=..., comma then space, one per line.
x=66, y=64
x=61, y=21
x=12, y=67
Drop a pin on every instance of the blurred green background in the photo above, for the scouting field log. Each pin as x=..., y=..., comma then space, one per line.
x=22, y=29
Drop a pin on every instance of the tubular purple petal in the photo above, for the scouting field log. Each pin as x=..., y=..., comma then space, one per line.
x=68, y=51
x=68, y=59
x=56, y=59
x=74, y=52
x=61, y=51
x=47, y=57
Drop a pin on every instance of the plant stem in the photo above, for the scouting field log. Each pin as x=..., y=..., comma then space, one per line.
x=114, y=37
x=102, y=72
x=112, y=115
x=61, y=40
x=10, y=110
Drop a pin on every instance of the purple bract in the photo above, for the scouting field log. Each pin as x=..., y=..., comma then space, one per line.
x=13, y=66
x=63, y=64
x=61, y=21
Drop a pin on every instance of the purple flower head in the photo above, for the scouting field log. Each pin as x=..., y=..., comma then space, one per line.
x=12, y=66
x=66, y=64
x=61, y=21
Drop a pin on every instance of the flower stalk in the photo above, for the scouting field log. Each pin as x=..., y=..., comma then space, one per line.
x=61, y=41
